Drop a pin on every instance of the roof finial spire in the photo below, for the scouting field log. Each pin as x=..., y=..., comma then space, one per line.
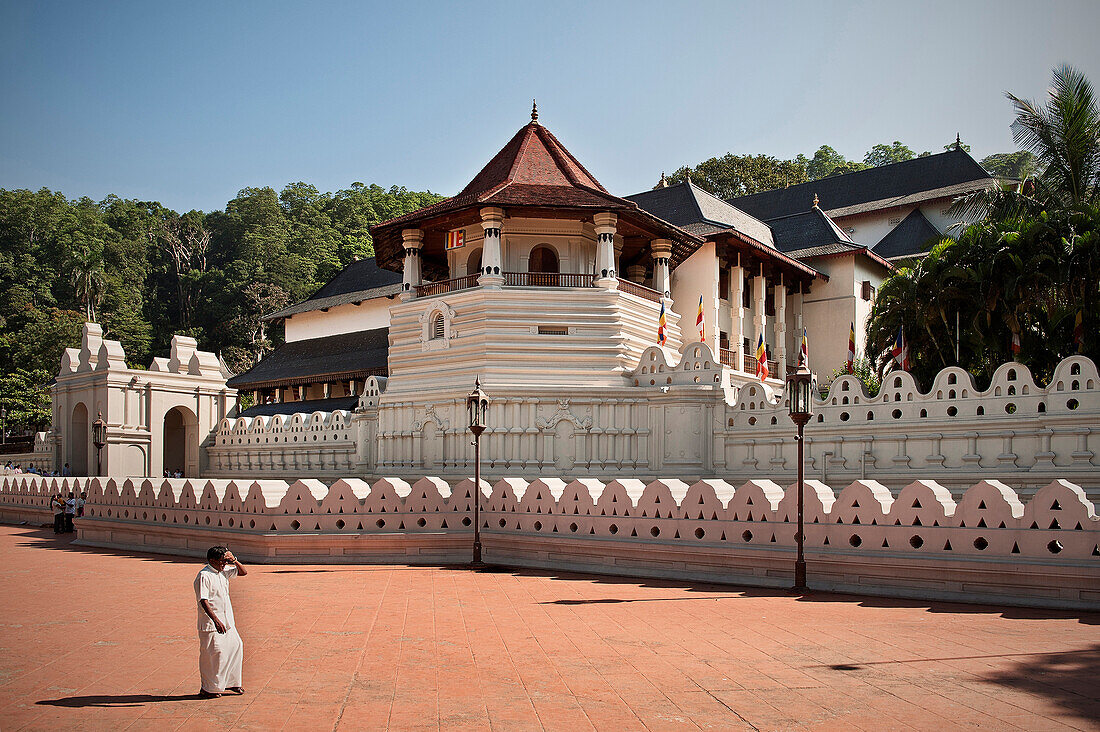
x=664, y=181
x=815, y=200
x=534, y=112
x=958, y=142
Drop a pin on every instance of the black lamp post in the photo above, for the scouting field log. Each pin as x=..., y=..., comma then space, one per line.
x=477, y=409
x=800, y=402
x=99, y=439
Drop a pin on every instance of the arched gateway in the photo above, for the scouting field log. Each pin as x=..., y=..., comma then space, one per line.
x=181, y=442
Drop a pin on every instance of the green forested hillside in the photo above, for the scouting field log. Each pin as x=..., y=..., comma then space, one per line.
x=145, y=272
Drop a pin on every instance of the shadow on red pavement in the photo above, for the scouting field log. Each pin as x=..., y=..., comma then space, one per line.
x=118, y=700
x=1068, y=678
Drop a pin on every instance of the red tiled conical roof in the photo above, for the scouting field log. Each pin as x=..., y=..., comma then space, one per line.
x=533, y=171
x=532, y=157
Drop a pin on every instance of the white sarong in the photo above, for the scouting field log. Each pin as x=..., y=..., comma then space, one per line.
x=220, y=658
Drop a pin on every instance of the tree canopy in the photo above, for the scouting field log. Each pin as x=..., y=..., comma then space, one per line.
x=145, y=272
x=1023, y=283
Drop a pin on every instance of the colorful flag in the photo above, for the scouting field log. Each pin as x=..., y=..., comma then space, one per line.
x=661, y=325
x=1079, y=331
x=699, y=322
x=456, y=239
x=900, y=351
x=804, y=351
x=761, y=359
x=851, y=349
x=1015, y=344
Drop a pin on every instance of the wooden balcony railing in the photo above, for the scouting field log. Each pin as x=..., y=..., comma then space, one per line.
x=445, y=286
x=729, y=356
x=547, y=279
x=637, y=290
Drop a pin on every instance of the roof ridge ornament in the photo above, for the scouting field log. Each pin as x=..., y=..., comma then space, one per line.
x=815, y=201
x=958, y=142
x=534, y=112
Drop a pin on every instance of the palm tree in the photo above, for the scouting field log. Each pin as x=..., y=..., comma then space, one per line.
x=88, y=278
x=1064, y=137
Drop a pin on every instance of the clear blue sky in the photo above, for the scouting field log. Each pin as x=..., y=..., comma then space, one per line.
x=186, y=103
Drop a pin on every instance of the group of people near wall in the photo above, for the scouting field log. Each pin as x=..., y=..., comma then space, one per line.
x=11, y=468
x=66, y=510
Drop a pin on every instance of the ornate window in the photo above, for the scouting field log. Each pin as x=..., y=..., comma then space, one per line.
x=436, y=326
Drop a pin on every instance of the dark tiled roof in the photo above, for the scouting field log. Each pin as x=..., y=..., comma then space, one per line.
x=361, y=280
x=948, y=173
x=364, y=274
x=807, y=229
x=814, y=234
x=332, y=358
x=307, y=407
x=913, y=236
x=687, y=205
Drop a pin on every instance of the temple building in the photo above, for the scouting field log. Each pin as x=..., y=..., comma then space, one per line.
x=573, y=278
x=334, y=341
x=579, y=312
x=897, y=209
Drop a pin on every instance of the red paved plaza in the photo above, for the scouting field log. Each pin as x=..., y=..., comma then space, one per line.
x=95, y=639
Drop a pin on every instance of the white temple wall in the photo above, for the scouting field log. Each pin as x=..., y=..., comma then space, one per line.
x=869, y=228
x=698, y=276
x=496, y=334
x=188, y=388
x=351, y=318
x=686, y=415
x=829, y=308
x=992, y=544
x=574, y=242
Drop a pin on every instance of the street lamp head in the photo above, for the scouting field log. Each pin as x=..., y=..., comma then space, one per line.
x=800, y=388
x=99, y=432
x=477, y=408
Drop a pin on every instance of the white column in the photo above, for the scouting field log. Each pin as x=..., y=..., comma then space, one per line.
x=759, y=316
x=662, y=251
x=737, y=314
x=411, y=272
x=606, y=277
x=781, y=328
x=492, y=261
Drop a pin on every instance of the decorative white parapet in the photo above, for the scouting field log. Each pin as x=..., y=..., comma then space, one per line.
x=990, y=545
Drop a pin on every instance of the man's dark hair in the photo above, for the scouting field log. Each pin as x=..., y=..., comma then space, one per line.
x=216, y=552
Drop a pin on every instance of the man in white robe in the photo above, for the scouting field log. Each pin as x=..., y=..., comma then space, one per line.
x=221, y=651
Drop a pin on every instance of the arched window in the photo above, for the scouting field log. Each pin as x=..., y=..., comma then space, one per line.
x=473, y=264
x=543, y=259
x=437, y=326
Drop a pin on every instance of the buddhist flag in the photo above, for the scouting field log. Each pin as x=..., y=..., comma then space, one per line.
x=1015, y=345
x=1079, y=331
x=851, y=349
x=456, y=239
x=699, y=322
x=900, y=352
x=661, y=325
x=804, y=351
x=761, y=359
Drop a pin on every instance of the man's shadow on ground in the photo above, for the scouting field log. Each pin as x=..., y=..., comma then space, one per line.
x=117, y=700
